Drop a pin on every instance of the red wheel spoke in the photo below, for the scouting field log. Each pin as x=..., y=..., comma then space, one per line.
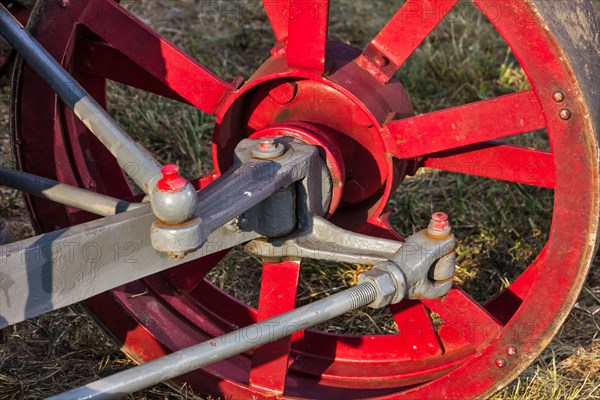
x=415, y=328
x=188, y=276
x=278, y=12
x=278, y=289
x=507, y=303
x=466, y=316
x=468, y=124
x=495, y=160
x=307, y=34
x=405, y=31
x=158, y=57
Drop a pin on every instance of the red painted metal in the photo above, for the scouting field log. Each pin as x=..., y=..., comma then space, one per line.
x=98, y=58
x=439, y=222
x=400, y=37
x=307, y=35
x=498, y=161
x=278, y=289
x=353, y=125
x=466, y=316
x=279, y=13
x=154, y=54
x=350, y=109
x=468, y=124
x=171, y=181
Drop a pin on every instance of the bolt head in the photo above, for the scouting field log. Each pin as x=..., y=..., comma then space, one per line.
x=558, y=96
x=500, y=363
x=565, y=114
x=268, y=149
x=439, y=224
x=266, y=144
x=511, y=351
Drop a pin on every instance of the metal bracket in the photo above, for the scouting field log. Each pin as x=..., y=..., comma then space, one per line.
x=322, y=240
x=60, y=268
x=422, y=268
x=251, y=182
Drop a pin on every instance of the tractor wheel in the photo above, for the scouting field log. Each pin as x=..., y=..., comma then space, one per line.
x=453, y=347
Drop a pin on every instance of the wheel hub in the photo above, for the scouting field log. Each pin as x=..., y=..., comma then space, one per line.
x=342, y=112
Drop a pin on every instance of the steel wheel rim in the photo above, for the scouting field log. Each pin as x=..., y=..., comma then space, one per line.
x=564, y=156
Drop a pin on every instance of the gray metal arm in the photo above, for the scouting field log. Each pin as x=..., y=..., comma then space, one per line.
x=217, y=349
x=86, y=200
x=322, y=240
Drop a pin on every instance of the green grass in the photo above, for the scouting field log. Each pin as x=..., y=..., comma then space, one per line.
x=501, y=226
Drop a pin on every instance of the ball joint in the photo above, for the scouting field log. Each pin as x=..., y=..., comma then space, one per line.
x=173, y=199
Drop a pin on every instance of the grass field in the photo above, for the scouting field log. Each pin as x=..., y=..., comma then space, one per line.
x=501, y=226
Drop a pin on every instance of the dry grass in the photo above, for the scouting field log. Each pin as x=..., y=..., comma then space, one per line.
x=502, y=226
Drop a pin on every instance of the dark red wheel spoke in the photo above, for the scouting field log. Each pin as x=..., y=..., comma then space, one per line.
x=158, y=57
x=99, y=59
x=501, y=161
x=278, y=290
x=416, y=328
x=467, y=124
x=404, y=32
x=188, y=276
x=278, y=12
x=466, y=316
x=506, y=304
x=307, y=34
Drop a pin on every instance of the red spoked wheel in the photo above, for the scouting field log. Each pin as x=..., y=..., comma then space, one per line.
x=346, y=101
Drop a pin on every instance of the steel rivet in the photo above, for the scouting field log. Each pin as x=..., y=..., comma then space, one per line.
x=565, y=114
x=501, y=363
x=63, y=3
x=511, y=351
x=558, y=96
x=381, y=61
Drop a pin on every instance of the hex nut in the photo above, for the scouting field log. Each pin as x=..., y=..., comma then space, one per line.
x=384, y=286
x=398, y=276
x=268, y=149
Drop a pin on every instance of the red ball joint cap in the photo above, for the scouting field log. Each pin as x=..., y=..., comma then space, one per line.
x=171, y=180
x=439, y=224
